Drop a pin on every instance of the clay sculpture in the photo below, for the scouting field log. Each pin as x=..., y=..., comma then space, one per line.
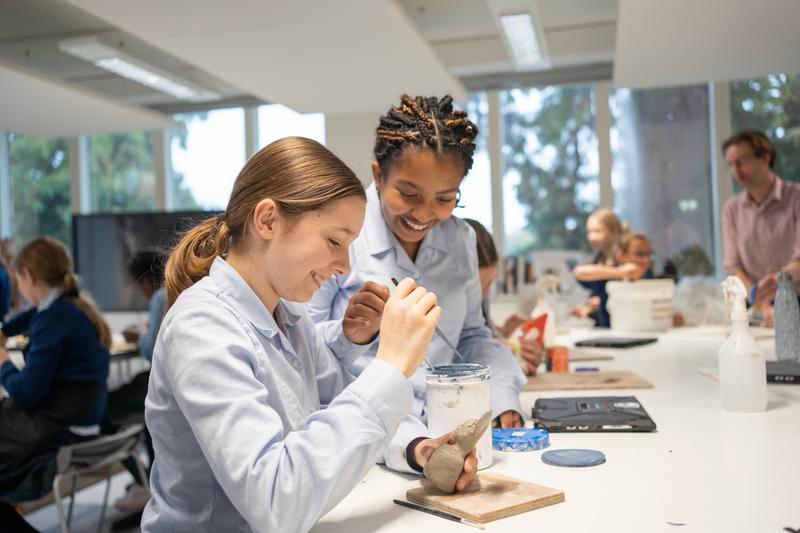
x=447, y=461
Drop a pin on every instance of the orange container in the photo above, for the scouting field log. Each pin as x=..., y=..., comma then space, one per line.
x=559, y=358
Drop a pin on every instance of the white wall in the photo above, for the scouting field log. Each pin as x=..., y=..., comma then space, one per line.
x=351, y=136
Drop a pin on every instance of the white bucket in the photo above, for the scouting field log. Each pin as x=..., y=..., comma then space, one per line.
x=643, y=305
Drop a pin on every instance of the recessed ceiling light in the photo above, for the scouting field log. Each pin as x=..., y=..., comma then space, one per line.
x=521, y=38
x=109, y=58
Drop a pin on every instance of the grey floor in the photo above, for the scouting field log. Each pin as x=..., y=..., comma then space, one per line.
x=86, y=513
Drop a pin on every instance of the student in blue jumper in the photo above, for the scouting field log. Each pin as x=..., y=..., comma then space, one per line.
x=60, y=394
x=5, y=291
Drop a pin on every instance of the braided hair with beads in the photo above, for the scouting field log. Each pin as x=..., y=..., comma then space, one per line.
x=427, y=123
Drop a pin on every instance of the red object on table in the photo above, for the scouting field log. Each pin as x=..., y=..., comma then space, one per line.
x=538, y=324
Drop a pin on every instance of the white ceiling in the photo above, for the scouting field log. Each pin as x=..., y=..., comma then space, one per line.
x=312, y=55
x=343, y=56
x=34, y=105
x=684, y=42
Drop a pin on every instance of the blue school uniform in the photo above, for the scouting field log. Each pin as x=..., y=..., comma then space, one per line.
x=446, y=264
x=57, y=398
x=5, y=292
x=63, y=347
x=234, y=407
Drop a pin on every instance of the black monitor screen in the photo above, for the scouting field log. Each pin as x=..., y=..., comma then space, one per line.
x=104, y=243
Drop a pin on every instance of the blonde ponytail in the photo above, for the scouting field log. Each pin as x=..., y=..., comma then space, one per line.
x=191, y=258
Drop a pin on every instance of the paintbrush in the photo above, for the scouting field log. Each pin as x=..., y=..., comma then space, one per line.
x=440, y=514
x=441, y=336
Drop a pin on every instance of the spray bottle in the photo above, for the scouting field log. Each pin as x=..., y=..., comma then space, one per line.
x=742, y=367
x=547, y=285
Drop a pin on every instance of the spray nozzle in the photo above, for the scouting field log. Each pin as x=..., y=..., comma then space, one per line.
x=735, y=294
x=549, y=283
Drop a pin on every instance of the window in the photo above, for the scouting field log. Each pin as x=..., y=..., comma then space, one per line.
x=207, y=154
x=661, y=166
x=476, y=189
x=40, y=186
x=122, y=172
x=276, y=121
x=550, y=167
x=771, y=105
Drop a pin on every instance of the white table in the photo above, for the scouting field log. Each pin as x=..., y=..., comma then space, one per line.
x=709, y=469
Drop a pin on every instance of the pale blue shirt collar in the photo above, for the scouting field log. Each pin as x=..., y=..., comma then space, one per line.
x=380, y=237
x=48, y=300
x=233, y=285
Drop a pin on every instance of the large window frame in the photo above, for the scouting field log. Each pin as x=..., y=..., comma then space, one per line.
x=720, y=116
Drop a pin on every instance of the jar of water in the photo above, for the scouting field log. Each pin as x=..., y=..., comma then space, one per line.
x=457, y=393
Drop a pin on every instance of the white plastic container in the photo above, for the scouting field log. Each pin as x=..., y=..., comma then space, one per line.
x=642, y=305
x=742, y=366
x=457, y=393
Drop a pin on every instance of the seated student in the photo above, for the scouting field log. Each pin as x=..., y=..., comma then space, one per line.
x=530, y=351
x=60, y=394
x=239, y=375
x=146, y=269
x=604, y=232
x=423, y=149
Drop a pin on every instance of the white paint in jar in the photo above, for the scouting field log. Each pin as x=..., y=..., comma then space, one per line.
x=457, y=393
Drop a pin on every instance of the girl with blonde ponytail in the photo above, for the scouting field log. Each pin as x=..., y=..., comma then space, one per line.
x=239, y=374
x=60, y=394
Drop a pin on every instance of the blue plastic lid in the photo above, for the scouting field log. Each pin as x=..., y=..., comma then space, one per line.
x=574, y=457
x=520, y=439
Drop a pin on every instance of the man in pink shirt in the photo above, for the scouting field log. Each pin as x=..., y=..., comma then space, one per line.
x=761, y=225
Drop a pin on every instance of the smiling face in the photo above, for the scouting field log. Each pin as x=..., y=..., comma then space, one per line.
x=418, y=191
x=306, y=250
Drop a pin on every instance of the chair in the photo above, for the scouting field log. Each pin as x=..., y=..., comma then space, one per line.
x=103, y=452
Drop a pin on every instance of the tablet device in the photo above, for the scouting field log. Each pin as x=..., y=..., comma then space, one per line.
x=783, y=372
x=615, y=342
x=592, y=414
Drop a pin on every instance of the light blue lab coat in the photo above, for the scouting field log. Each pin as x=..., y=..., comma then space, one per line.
x=234, y=410
x=447, y=264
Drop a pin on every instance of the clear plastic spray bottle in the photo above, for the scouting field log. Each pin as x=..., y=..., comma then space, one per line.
x=742, y=367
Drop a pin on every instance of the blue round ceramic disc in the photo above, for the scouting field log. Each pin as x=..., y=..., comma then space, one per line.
x=574, y=458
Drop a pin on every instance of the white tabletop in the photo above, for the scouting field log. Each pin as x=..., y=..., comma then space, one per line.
x=704, y=470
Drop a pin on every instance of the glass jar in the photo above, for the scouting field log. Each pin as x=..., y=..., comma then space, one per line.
x=457, y=393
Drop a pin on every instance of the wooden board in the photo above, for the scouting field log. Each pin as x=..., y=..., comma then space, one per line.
x=587, y=381
x=489, y=497
x=580, y=357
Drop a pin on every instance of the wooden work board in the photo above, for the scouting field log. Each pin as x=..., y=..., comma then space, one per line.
x=587, y=381
x=580, y=357
x=489, y=497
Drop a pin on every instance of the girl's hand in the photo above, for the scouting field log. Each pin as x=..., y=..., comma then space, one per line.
x=508, y=419
x=425, y=448
x=409, y=317
x=362, y=318
x=4, y=357
x=532, y=354
x=631, y=271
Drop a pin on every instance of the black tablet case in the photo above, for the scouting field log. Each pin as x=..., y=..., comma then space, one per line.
x=615, y=342
x=592, y=414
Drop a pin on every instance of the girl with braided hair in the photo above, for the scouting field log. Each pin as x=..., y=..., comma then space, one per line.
x=423, y=150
